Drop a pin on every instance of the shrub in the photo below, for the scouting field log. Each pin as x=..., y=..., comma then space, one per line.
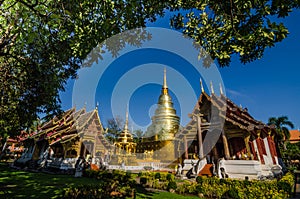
x=286, y=183
x=143, y=180
x=157, y=175
x=170, y=177
x=140, y=174
x=233, y=193
x=181, y=188
x=172, y=185
x=199, y=179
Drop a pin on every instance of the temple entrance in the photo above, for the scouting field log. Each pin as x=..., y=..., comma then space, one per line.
x=87, y=149
x=238, y=148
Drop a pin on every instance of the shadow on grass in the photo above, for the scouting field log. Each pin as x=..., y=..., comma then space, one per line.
x=141, y=192
x=22, y=184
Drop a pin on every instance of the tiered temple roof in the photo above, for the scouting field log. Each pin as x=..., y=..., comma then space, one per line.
x=70, y=125
x=235, y=117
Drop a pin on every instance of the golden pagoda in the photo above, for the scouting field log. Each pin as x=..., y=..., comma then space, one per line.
x=159, y=137
x=125, y=148
x=125, y=144
x=165, y=122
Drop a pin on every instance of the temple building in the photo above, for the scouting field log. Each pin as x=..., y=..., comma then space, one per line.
x=220, y=139
x=224, y=135
x=60, y=141
x=158, y=141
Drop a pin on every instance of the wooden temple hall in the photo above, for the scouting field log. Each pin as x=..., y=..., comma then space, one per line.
x=62, y=140
x=223, y=134
x=221, y=139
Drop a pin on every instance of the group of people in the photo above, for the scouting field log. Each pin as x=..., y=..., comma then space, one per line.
x=81, y=166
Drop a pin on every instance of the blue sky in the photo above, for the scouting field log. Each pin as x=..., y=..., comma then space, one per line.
x=267, y=87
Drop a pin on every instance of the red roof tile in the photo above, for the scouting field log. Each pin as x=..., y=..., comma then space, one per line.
x=295, y=136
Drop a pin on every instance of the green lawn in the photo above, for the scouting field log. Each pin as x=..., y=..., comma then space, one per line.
x=142, y=193
x=22, y=184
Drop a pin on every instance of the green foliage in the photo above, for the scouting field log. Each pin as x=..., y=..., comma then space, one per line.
x=199, y=179
x=157, y=175
x=291, y=154
x=172, y=185
x=43, y=43
x=114, y=128
x=230, y=188
x=140, y=174
x=117, y=184
x=245, y=28
x=286, y=183
x=170, y=177
x=143, y=180
x=282, y=133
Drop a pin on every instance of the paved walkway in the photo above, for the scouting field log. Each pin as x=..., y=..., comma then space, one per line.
x=297, y=194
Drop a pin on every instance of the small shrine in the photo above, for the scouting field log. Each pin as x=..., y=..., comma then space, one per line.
x=125, y=148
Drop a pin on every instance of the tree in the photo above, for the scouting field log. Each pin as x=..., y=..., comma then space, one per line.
x=114, y=128
x=42, y=45
x=281, y=125
x=137, y=135
x=291, y=153
x=43, y=42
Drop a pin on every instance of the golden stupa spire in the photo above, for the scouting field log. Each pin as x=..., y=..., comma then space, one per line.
x=201, y=85
x=126, y=121
x=165, y=86
x=221, y=89
x=165, y=78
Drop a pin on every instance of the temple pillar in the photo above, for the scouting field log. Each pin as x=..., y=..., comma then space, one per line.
x=64, y=150
x=95, y=145
x=215, y=153
x=260, y=147
x=186, y=153
x=246, y=140
x=226, y=148
x=199, y=132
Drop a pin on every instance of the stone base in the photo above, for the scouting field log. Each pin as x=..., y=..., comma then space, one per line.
x=125, y=160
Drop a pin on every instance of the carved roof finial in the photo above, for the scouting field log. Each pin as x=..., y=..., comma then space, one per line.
x=201, y=86
x=212, y=87
x=221, y=89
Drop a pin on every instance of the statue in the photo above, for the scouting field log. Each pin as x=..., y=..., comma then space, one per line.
x=79, y=166
x=179, y=170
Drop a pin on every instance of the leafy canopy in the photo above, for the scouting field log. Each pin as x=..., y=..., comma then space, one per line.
x=43, y=42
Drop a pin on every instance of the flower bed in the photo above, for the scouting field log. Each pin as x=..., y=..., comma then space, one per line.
x=121, y=184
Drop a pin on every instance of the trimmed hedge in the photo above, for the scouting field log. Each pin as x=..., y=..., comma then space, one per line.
x=230, y=188
x=115, y=184
x=118, y=184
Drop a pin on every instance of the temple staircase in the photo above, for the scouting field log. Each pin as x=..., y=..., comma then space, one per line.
x=207, y=170
x=192, y=167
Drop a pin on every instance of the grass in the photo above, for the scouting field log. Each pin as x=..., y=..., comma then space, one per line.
x=142, y=193
x=23, y=184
